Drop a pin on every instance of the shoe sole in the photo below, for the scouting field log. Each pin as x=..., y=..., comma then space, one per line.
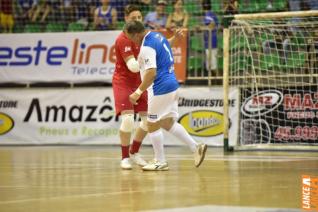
x=126, y=168
x=164, y=169
x=203, y=155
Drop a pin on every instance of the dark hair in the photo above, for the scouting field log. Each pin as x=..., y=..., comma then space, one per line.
x=206, y=5
x=131, y=8
x=134, y=27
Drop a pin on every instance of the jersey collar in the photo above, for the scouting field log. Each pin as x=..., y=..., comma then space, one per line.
x=143, y=40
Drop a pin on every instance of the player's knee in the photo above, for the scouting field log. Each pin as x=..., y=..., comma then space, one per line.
x=127, y=123
x=143, y=123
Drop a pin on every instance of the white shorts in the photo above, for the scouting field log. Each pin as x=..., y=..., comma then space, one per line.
x=213, y=61
x=163, y=106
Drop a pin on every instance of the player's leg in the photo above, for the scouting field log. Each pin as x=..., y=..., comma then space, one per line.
x=199, y=149
x=178, y=131
x=125, y=130
x=173, y=127
x=156, y=137
x=139, y=136
x=155, y=109
x=214, y=62
x=141, y=130
x=126, y=111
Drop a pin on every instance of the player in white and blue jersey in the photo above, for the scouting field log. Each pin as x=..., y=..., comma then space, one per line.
x=158, y=78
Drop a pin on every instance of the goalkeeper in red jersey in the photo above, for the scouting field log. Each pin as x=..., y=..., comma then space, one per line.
x=126, y=79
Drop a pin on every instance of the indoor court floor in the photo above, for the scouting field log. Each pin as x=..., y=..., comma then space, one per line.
x=88, y=178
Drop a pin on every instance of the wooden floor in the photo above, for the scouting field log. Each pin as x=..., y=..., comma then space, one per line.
x=67, y=179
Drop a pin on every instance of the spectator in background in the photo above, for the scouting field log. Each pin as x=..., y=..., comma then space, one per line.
x=179, y=17
x=67, y=11
x=105, y=16
x=231, y=7
x=294, y=5
x=157, y=19
x=144, y=5
x=82, y=12
x=93, y=5
x=41, y=9
x=280, y=43
x=246, y=4
x=312, y=4
x=269, y=5
x=120, y=8
x=6, y=16
x=54, y=10
x=25, y=10
x=315, y=40
x=211, y=24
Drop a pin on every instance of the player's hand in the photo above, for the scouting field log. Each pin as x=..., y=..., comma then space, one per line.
x=133, y=98
x=178, y=33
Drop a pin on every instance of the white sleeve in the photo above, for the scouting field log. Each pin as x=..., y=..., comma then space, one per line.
x=149, y=58
x=133, y=65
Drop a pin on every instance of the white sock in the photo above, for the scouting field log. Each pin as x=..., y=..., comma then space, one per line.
x=156, y=138
x=181, y=133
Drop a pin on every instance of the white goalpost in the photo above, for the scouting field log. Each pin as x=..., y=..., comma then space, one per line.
x=272, y=58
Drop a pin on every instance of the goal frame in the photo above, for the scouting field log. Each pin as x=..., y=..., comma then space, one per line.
x=226, y=78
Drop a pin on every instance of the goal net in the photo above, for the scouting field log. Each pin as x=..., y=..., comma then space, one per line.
x=273, y=60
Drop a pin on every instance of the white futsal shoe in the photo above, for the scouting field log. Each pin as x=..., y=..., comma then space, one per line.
x=156, y=166
x=199, y=154
x=126, y=164
x=137, y=159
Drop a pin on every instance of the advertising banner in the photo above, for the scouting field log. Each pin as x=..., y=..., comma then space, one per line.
x=87, y=116
x=179, y=50
x=284, y=116
x=67, y=57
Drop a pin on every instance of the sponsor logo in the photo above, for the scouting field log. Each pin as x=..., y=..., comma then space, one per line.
x=78, y=53
x=262, y=103
x=71, y=113
x=203, y=123
x=297, y=101
x=152, y=116
x=6, y=123
x=127, y=48
x=309, y=193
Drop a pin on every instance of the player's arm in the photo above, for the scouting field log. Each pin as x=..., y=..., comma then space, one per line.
x=96, y=19
x=177, y=34
x=126, y=51
x=132, y=63
x=148, y=55
x=114, y=18
x=148, y=79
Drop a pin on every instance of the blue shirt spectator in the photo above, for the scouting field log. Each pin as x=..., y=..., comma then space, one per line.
x=26, y=4
x=26, y=10
x=158, y=18
x=294, y=5
x=105, y=16
x=312, y=4
x=120, y=7
x=210, y=19
x=211, y=23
